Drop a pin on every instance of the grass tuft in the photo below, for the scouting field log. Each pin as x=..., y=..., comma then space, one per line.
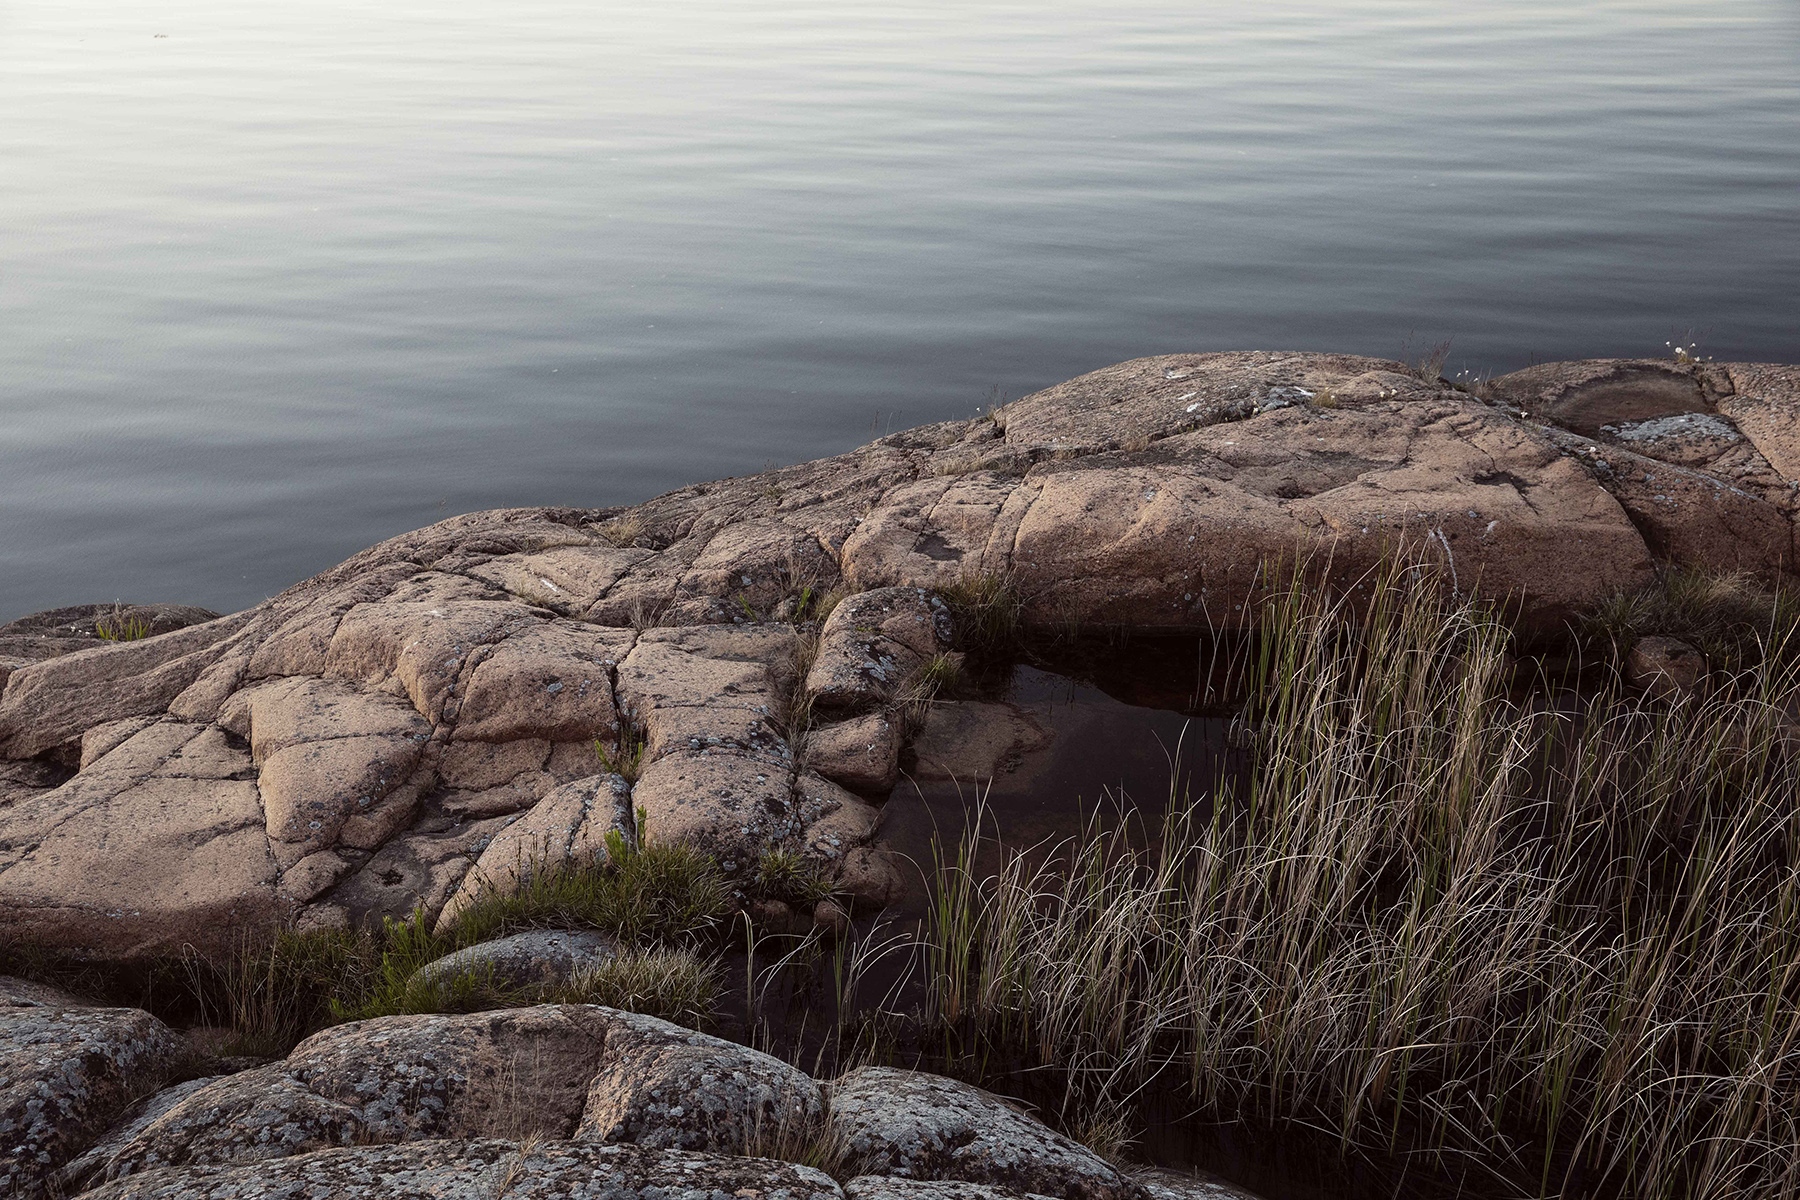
x=791, y=877
x=271, y=994
x=622, y=531
x=625, y=759
x=116, y=626
x=1734, y=619
x=988, y=613
x=1539, y=946
x=675, y=983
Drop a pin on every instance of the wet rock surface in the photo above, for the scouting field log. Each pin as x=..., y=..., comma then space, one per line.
x=419, y=722
x=886, y=1187
x=917, y=1126
x=1665, y=666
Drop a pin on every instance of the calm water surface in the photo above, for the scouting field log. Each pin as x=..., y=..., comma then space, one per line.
x=277, y=281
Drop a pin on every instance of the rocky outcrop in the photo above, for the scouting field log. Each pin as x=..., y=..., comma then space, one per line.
x=1180, y=1185
x=576, y=1072
x=84, y=626
x=527, y=962
x=556, y=1100
x=917, y=1126
x=887, y=1187
x=660, y=1085
x=483, y=1169
x=67, y=1072
x=419, y=722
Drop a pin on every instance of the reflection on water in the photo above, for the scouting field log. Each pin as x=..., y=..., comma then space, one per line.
x=280, y=280
x=1069, y=753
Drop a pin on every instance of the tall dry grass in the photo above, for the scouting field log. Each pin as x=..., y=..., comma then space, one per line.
x=1538, y=944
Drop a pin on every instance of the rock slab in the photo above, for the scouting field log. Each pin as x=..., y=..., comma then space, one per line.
x=917, y=1126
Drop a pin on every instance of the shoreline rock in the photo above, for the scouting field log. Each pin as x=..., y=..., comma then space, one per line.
x=553, y=1100
x=383, y=735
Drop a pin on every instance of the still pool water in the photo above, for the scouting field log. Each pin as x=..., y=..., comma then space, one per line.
x=277, y=281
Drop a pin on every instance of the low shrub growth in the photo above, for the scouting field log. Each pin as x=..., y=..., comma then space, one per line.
x=662, y=903
x=658, y=896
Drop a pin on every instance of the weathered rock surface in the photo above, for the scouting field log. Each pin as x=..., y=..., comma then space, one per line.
x=495, y=1074
x=567, y=828
x=83, y=626
x=1161, y=1184
x=661, y=1085
x=28, y=993
x=873, y=642
x=484, y=1169
x=552, y=1101
x=1665, y=666
x=559, y=1071
x=918, y=1126
x=66, y=1073
x=362, y=743
x=887, y=1187
x=862, y=753
x=535, y=959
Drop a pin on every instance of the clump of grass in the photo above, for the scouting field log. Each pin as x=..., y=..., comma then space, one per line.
x=995, y=410
x=1430, y=365
x=657, y=895
x=1104, y=1128
x=663, y=902
x=676, y=983
x=797, y=1137
x=1536, y=947
x=1733, y=618
x=270, y=994
x=663, y=892
x=625, y=758
x=120, y=626
x=622, y=531
x=915, y=695
x=398, y=988
x=988, y=613
x=795, y=712
x=791, y=877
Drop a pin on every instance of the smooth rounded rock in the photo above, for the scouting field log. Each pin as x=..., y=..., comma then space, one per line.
x=918, y=1126
x=535, y=959
x=1665, y=666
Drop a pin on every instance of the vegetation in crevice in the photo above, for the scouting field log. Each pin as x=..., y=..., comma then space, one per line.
x=665, y=904
x=119, y=626
x=987, y=613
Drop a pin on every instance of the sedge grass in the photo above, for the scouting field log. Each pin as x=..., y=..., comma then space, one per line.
x=1534, y=944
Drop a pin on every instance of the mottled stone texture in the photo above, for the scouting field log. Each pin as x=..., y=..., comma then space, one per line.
x=66, y=1074
x=486, y=1169
x=917, y=1126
